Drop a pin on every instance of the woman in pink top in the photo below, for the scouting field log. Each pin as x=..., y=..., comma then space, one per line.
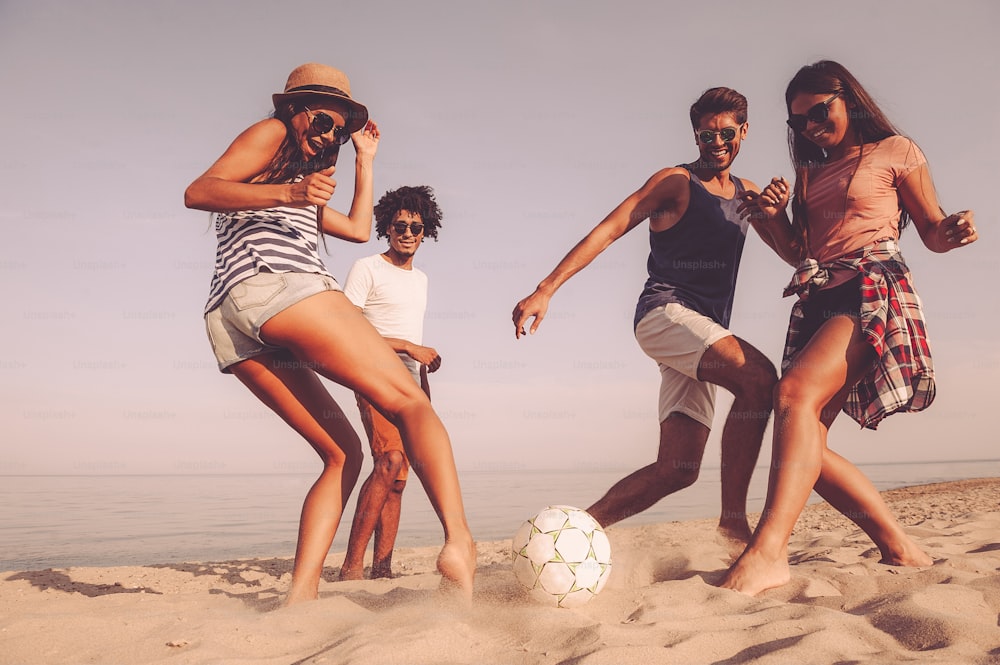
x=856, y=341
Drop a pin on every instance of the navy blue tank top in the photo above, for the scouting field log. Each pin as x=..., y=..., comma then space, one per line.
x=694, y=262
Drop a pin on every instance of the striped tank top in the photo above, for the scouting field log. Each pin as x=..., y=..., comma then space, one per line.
x=282, y=239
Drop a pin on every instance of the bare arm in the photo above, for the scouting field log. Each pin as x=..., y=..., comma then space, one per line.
x=356, y=225
x=767, y=212
x=425, y=385
x=425, y=355
x=938, y=231
x=227, y=184
x=661, y=194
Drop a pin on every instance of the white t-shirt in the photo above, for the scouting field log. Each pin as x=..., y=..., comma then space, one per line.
x=392, y=299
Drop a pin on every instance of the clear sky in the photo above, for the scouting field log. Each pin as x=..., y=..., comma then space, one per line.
x=531, y=120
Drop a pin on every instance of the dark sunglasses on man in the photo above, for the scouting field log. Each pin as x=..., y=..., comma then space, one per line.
x=707, y=136
x=416, y=228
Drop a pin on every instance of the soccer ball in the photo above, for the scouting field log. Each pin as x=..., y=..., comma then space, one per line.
x=562, y=556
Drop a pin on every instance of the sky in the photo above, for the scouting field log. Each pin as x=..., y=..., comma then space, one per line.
x=531, y=120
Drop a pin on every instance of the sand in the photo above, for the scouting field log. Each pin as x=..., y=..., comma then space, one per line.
x=660, y=606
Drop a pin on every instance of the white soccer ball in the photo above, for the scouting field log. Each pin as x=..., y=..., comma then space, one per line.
x=562, y=556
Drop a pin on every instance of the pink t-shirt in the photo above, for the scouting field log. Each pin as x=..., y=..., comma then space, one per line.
x=840, y=224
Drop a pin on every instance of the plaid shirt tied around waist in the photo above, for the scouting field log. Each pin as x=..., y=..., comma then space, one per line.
x=892, y=322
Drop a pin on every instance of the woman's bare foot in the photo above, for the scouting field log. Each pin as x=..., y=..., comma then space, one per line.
x=753, y=573
x=457, y=565
x=909, y=555
x=297, y=594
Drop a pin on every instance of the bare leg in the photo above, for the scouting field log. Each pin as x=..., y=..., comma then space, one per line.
x=372, y=502
x=682, y=444
x=747, y=373
x=330, y=334
x=296, y=394
x=386, y=530
x=835, y=357
x=848, y=490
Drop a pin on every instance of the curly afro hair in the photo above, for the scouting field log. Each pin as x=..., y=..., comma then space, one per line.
x=419, y=200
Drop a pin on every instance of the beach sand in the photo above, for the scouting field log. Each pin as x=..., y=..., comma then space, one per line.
x=659, y=606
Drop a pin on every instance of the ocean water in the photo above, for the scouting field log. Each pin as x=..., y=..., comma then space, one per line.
x=110, y=520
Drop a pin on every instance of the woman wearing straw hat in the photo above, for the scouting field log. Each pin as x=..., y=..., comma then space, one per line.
x=278, y=320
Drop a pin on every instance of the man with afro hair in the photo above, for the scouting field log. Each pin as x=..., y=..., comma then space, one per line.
x=392, y=294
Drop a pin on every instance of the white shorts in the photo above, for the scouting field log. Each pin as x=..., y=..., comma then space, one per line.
x=676, y=338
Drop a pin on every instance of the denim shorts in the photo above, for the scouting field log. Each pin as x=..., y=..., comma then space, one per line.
x=234, y=326
x=676, y=338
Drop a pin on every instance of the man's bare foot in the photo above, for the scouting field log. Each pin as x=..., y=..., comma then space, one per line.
x=382, y=572
x=347, y=574
x=752, y=574
x=734, y=537
x=457, y=565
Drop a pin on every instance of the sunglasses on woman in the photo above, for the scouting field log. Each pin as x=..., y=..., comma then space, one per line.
x=707, y=136
x=818, y=113
x=416, y=228
x=323, y=123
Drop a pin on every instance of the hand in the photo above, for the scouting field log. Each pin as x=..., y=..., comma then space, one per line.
x=535, y=305
x=366, y=140
x=425, y=355
x=959, y=229
x=313, y=190
x=768, y=203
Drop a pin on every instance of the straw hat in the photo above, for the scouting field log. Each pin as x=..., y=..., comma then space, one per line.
x=312, y=79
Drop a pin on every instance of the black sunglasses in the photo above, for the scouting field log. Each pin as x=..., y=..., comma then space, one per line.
x=416, y=228
x=818, y=113
x=707, y=136
x=322, y=123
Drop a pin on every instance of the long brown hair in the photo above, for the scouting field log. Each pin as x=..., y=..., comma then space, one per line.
x=867, y=121
x=288, y=162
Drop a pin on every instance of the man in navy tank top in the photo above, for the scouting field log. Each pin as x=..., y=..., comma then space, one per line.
x=681, y=321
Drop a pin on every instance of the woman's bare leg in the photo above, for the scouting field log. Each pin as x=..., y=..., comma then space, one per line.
x=331, y=336
x=836, y=356
x=296, y=394
x=848, y=490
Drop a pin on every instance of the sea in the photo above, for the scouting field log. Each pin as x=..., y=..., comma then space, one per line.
x=120, y=520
